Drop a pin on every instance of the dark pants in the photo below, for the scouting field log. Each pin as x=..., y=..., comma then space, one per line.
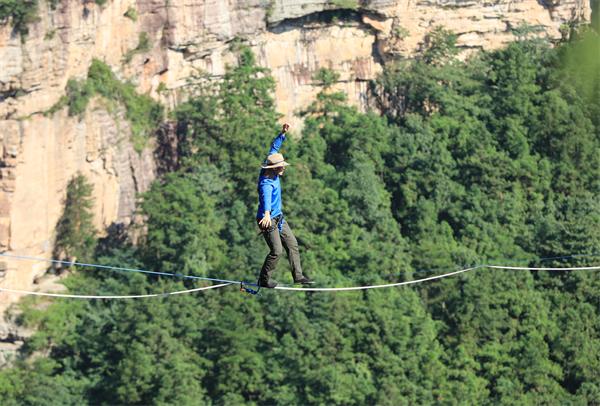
x=277, y=240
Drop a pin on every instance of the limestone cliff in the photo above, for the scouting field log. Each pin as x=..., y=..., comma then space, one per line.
x=294, y=38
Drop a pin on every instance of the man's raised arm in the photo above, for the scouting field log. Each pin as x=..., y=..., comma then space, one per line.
x=279, y=140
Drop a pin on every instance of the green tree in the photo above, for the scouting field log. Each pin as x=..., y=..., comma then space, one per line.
x=75, y=231
x=578, y=64
x=441, y=46
x=183, y=222
x=509, y=171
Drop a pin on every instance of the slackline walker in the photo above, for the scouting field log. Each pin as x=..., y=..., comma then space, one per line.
x=284, y=287
x=269, y=217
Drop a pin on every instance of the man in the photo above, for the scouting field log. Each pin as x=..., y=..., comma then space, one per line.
x=276, y=231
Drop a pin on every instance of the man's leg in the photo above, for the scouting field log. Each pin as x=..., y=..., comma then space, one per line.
x=274, y=242
x=291, y=247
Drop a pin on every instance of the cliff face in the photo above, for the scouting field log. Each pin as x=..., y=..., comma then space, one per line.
x=294, y=38
x=41, y=155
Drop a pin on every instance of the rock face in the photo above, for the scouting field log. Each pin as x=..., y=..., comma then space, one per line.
x=294, y=38
x=41, y=155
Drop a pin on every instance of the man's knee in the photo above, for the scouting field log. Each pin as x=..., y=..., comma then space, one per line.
x=291, y=244
x=276, y=252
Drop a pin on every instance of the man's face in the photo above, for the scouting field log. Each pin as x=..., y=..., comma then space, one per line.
x=279, y=170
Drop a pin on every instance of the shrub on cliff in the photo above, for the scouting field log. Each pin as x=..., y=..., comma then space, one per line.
x=21, y=13
x=143, y=112
x=75, y=231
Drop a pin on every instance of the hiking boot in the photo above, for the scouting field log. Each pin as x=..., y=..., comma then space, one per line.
x=269, y=285
x=303, y=281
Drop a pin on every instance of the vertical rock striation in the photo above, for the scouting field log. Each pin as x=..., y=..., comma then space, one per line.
x=41, y=155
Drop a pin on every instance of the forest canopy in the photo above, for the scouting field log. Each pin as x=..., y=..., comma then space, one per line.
x=490, y=159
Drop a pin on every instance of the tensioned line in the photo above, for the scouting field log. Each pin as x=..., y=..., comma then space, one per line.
x=116, y=297
x=436, y=277
x=461, y=267
x=120, y=269
x=301, y=289
x=378, y=286
x=329, y=281
x=284, y=287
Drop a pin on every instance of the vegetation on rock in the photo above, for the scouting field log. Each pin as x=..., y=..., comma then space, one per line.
x=141, y=110
x=24, y=12
x=143, y=44
x=21, y=13
x=75, y=232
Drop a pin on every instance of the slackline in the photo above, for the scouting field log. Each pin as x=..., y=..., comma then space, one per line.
x=114, y=297
x=285, y=287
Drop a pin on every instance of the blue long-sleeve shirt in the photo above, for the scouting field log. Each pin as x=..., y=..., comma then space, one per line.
x=269, y=190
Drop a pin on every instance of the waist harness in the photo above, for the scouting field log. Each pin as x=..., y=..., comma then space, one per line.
x=276, y=226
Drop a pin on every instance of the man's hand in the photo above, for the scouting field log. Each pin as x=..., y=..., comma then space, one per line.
x=286, y=127
x=265, y=223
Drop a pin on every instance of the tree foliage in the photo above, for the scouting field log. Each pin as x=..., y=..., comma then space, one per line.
x=75, y=231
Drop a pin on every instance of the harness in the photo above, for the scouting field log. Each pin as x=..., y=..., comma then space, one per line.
x=268, y=230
